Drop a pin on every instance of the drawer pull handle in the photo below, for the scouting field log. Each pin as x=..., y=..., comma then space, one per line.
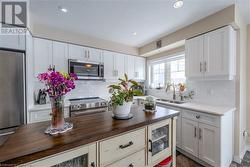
x=200, y=137
x=151, y=145
x=131, y=165
x=126, y=145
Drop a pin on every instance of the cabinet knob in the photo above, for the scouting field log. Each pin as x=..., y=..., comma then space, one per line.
x=198, y=116
x=92, y=164
x=131, y=165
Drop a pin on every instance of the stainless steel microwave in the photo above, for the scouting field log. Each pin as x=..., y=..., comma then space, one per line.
x=86, y=70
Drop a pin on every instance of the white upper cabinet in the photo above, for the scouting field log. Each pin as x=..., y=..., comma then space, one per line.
x=119, y=65
x=219, y=52
x=77, y=52
x=194, y=57
x=139, y=68
x=113, y=65
x=108, y=59
x=129, y=66
x=212, y=55
x=93, y=55
x=42, y=55
x=60, y=56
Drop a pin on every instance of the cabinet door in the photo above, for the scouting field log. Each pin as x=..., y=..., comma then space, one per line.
x=108, y=65
x=217, y=52
x=129, y=66
x=190, y=136
x=209, y=144
x=139, y=68
x=194, y=57
x=119, y=65
x=77, y=52
x=60, y=56
x=159, y=138
x=94, y=55
x=178, y=132
x=80, y=157
x=42, y=55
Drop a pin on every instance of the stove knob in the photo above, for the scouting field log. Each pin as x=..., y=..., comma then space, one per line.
x=78, y=107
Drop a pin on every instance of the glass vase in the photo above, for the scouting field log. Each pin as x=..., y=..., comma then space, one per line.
x=57, y=114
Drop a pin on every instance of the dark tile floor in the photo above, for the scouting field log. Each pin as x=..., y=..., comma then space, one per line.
x=183, y=161
x=245, y=162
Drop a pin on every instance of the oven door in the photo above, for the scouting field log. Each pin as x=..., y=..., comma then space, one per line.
x=85, y=70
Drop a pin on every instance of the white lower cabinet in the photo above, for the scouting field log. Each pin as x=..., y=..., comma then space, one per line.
x=84, y=156
x=209, y=144
x=116, y=148
x=43, y=115
x=207, y=137
x=135, y=160
x=189, y=136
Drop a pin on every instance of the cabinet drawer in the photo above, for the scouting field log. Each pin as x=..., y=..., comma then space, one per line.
x=119, y=147
x=202, y=117
x=134, y=160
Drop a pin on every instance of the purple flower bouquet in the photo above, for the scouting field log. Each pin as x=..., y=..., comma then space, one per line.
x=57, y=85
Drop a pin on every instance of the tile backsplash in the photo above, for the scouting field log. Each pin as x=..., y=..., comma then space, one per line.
x=84, y=89
x=221, y=93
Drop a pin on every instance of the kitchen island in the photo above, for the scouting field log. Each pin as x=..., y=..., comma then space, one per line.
x=109, y=141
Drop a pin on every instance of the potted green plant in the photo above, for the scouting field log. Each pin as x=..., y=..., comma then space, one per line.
x=122, y=96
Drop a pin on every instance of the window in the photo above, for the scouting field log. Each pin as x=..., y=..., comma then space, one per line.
x=167, y=70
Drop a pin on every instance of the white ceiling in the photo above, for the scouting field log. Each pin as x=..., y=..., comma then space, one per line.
x=116, y=20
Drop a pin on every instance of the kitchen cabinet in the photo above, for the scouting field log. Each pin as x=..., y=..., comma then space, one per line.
x=209, y=144
x=129, y=66
x=42, y=55
x=159, y=141
x=121, y=146
x=41, y=115
x=108, y=60
x=212, y=55
x=189, y=136
x=194, y=57
x=113, y=65
x=85, y=54
x=60, y=56
x=139, y=63
x=77, y=52
x=207, y=137
x=94, y=55
x=84, y=156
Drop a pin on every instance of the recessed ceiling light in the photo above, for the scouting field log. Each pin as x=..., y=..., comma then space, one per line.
x=134, y=33
x=178, y=4
x=62, y=9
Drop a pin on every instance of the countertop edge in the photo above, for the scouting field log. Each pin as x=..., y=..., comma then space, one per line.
x=195, y=109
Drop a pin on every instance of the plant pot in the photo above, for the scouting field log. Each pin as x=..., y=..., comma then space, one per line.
x=123, y=110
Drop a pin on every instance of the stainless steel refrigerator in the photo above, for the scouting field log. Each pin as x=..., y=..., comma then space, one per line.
x=12, y=90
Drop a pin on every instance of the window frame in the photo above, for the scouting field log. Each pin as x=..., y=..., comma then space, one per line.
x=164, y=59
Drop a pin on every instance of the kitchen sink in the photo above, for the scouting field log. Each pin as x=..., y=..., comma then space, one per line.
x=171, y=101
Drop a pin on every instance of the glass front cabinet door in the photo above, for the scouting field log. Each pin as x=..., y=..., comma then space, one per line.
x=159, y=141
x=84, y=156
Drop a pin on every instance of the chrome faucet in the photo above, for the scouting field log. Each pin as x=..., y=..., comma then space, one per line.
x=168, y=88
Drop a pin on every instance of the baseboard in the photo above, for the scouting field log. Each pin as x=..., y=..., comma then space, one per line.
x=239, y=158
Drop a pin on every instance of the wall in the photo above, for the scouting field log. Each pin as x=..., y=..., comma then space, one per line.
x=219, y=19
x=80, y=39
x=248, y=81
